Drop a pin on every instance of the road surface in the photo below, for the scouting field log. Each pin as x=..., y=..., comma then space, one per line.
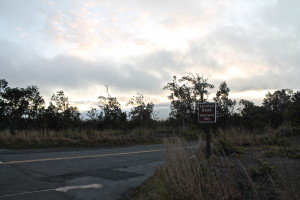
x=96, y=173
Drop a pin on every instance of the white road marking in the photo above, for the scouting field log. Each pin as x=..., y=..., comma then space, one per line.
x=60, y=189
x=2, y=149
x=10, y=195
x=67, y=188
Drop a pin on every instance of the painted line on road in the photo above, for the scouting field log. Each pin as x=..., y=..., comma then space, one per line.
x=60, y=189
x=77, y=157
x=10, y=195
x=77, y=187
x=82, y=157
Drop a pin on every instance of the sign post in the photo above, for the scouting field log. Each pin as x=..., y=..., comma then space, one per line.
x=207, y=115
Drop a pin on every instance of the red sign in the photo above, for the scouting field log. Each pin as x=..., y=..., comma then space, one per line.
x=207, y=113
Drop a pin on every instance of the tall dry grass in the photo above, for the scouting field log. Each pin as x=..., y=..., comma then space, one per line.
x=75, y=138
x=242, y=166
x=191, y=176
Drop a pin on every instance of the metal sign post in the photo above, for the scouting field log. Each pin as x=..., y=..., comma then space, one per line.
x=206, y=115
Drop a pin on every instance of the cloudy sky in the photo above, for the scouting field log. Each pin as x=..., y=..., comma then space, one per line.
x=136, y=46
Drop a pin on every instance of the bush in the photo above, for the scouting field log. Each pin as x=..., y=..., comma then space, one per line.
x=263, y=169
x=287, y=152
x=274, y=140
x=154, y=188
x=224, y=146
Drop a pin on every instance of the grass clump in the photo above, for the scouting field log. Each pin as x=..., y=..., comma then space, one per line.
x=273, y=140
x=225, y=146
x=263, y=169
x=154, y=188
x=292, y=152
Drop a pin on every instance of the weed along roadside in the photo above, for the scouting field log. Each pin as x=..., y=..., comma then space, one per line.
x=240, y=167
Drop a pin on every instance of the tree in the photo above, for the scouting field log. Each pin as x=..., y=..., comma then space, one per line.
x=60, y=101
x=59, y=114
x=93, y=114
x=276, y=105
x=141, y=113
x=185, y=94
x=253, y=117
x=36, y=103
x=225, y=105
x=199, y=86
x=20, y=107
x=181, y=100
x=71, y=117
x=293, y=110
x=3, y=85
x=111, y=108
x=3, y=117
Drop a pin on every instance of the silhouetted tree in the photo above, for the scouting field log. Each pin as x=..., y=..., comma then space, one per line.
x=185, y=94
x=3, y=117
x=253, y=117
x=225, y=106
x=93, y=114
x=199, y=86
x=181, y=100
x=59, y=114
x=141, y=113
x=293, y=110
x=113, y=117
x=276, y=105
x=20, y=107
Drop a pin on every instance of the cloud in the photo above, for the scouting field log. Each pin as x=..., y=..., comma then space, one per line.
x=137, y=46
x=74, y=73
x=77, y=28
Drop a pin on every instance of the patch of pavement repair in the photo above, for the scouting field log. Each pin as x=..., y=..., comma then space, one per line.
x=60, y=189
x=105, y=173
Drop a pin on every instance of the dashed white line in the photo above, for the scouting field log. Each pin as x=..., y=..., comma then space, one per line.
x=60, y=189
x=10, y=195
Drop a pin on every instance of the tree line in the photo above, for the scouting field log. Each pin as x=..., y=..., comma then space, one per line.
x=24, y=108
x=282, y=106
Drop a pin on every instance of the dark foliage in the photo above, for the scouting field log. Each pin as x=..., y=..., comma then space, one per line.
x=24, y=109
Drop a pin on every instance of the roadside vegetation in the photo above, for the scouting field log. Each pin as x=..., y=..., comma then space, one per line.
x=255, y=149
x=239, y=168
x=26, y=121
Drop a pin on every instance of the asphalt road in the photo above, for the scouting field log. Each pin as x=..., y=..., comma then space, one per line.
x=96, y=173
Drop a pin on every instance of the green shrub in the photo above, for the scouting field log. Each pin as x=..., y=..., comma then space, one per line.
x=274, y=140
x=263, y=169
x=189, y=134
x=289, y=152
x=225, y=146
x=154, y=188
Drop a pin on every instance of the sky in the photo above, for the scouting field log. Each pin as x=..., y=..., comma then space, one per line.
x=137, y=46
